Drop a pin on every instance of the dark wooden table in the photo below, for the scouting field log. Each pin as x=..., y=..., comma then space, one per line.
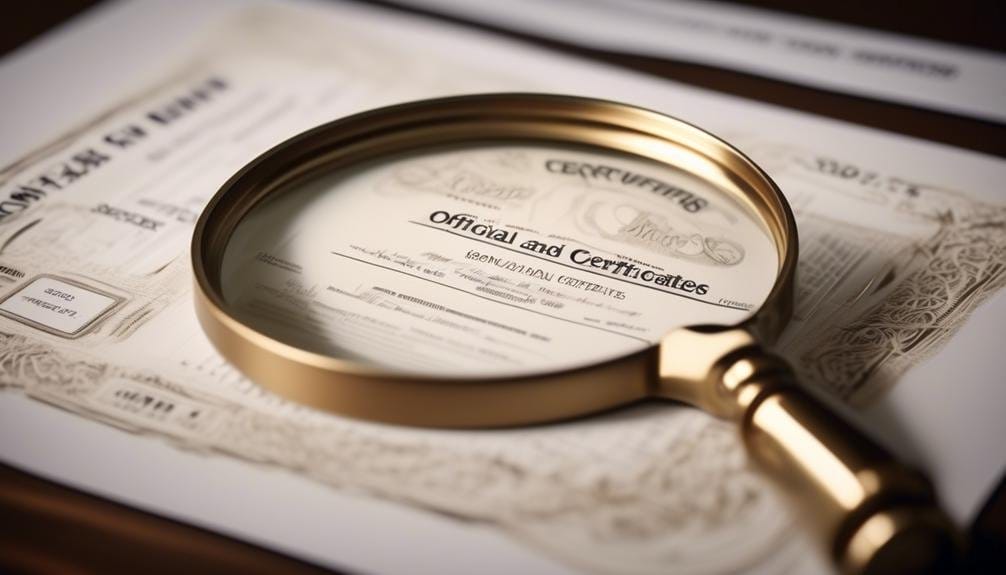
x=45, y=527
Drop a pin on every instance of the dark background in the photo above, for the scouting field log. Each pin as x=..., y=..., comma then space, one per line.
x=981, y=24
x=45, y=527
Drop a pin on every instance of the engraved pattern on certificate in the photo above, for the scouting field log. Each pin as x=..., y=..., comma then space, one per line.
x=876, y=299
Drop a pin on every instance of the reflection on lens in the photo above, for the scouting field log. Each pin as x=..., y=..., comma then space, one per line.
x=495, y=260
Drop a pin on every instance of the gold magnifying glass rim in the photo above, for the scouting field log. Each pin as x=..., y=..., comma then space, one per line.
x=368, y=392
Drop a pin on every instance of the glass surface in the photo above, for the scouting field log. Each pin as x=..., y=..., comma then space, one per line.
x=495, y=260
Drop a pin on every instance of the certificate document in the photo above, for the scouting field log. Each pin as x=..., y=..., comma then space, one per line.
x=901, y=242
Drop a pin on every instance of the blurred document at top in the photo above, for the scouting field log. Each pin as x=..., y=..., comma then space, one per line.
x=842, y=58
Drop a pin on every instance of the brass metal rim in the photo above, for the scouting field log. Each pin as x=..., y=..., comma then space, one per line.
x=363, y=391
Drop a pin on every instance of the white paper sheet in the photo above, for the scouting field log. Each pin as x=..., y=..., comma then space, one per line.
x=285, y=68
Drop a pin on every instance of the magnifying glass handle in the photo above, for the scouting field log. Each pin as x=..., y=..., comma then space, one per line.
x=875, y=514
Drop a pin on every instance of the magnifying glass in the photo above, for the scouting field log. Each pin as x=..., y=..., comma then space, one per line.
x=510, y=259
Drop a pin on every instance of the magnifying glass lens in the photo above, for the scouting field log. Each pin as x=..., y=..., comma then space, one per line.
x=495, y=260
